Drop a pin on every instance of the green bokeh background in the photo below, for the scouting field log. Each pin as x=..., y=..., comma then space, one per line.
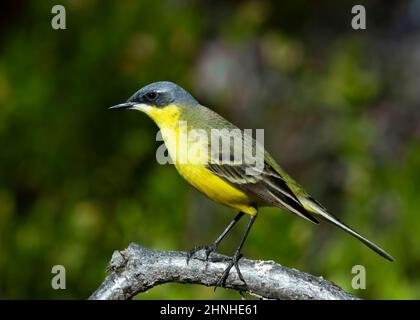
x=340, y=109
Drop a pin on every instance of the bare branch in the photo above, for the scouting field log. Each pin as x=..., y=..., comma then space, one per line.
x=138, y=269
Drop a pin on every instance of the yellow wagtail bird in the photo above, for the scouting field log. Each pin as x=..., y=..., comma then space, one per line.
x=232, y=183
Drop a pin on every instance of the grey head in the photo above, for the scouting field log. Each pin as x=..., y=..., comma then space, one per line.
x=160, y=94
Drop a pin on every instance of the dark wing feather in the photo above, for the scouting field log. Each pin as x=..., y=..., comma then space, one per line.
x=268, y=186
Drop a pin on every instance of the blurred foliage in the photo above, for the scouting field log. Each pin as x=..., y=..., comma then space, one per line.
x=340, y=108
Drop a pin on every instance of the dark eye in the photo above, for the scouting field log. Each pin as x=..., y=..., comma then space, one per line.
x=152, y=95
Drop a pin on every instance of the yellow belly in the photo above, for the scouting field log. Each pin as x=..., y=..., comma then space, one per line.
x=215, y=188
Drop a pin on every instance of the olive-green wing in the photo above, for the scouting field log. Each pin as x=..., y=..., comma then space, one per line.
x=268, y=186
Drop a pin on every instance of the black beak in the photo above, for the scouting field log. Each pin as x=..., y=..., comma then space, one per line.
x=125, y=105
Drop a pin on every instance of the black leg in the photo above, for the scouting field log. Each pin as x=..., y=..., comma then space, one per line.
x=236, y=257
x=213, y=246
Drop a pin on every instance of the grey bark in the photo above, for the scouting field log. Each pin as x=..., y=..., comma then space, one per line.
x=138, y=269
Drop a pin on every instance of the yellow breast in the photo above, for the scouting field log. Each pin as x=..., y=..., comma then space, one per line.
x=191, y=162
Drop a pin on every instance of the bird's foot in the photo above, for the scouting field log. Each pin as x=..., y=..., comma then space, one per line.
x=233, y=263
x=208, y=250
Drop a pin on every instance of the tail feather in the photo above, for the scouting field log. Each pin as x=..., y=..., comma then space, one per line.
x=313, y=206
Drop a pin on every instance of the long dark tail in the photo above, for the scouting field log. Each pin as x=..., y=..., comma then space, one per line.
x=313, y=207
